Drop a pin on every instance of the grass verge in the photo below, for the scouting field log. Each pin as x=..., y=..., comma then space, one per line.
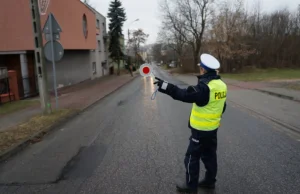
x=265, y=75
x=164, y=66
x=11, y=107
x=16, y=135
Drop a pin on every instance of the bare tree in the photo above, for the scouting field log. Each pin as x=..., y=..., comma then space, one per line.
x=228, y=35
x=156, y=52
x=173, y=40
x=240, y=39
x=188, y=18
x=138, y=37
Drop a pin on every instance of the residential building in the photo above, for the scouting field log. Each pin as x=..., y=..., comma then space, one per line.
x=79, y=38
x=99, y=57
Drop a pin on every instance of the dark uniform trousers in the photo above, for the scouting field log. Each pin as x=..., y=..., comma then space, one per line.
x=203, y=145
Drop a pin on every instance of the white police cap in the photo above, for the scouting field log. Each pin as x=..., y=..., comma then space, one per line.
x=209, y=62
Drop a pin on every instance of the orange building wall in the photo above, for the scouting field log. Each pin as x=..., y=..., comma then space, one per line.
x=16, y=26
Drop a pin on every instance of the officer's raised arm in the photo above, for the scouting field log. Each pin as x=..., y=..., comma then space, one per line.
x=198, y=94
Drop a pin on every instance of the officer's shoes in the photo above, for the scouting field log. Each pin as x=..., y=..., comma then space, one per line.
x=206, y=185
x=183, y=187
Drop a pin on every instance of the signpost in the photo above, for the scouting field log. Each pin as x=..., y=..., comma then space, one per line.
x=53, y=50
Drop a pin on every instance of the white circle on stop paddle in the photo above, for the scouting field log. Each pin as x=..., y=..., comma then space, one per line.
x=145, y=70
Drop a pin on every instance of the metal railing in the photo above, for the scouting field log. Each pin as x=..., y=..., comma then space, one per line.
x=5, y=89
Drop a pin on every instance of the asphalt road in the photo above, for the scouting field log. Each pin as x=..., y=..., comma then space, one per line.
x=128, y=143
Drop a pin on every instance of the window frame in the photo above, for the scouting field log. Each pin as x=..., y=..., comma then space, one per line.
x=85, y=26
x=94, y=67
x=98, y=23
x=99, y=45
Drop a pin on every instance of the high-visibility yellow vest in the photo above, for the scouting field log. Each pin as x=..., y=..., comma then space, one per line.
x=208, y=118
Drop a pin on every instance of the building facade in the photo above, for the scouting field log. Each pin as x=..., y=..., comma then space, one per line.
x=99, y=56
x=79, y=37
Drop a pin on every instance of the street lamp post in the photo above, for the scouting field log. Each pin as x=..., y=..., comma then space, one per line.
x=128, y=27
x=129, y=34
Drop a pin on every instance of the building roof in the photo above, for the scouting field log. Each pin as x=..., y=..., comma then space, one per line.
x=92, y=9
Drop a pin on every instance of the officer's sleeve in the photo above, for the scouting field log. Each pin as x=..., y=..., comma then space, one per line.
x=192, y=94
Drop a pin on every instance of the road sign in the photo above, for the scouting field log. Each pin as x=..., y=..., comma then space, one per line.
x=58, y=51
x=55, y=26
x=53, y=50
x=43, y=6
x=55, y=37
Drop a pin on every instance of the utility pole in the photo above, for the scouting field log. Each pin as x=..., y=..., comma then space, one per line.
x=128, y=35
x=39, y=58
x=127, y=43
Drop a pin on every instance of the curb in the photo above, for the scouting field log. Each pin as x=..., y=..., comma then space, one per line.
x=278, y=95
x=108, y=94
x=15, y=149
x=270, y=93
x=22, y=145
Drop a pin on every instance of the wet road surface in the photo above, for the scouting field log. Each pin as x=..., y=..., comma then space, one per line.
x=128, y=143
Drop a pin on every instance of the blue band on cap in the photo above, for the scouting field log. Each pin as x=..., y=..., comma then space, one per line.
x=204, y=66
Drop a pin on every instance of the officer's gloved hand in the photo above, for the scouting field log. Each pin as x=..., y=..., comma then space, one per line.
x=163, y=86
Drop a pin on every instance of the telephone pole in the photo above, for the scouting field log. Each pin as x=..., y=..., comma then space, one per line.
x=39, y=58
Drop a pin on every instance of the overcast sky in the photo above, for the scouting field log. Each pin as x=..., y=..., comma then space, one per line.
x=148, y=14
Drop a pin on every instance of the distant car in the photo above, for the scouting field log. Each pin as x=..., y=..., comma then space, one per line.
x=172, y=64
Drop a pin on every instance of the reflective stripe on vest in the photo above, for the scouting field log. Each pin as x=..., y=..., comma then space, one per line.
x=208, y=118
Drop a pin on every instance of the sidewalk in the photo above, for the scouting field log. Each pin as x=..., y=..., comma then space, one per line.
x=79, y=96
x=272, y=88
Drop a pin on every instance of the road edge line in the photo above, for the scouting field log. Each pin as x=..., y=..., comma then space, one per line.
x=293, y=129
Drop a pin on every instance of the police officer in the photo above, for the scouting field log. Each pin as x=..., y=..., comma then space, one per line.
x=209, y=103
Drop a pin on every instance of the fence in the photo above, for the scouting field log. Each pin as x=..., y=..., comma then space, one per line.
x=5, y=91
x=4, y=86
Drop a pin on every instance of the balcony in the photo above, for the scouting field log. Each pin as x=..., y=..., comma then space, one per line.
x=97, y=31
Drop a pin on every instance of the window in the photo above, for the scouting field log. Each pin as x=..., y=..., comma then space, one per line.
x=99, y=45
x=98, y=23
x=84, y=26
x=94, y=68
x=103, y=27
